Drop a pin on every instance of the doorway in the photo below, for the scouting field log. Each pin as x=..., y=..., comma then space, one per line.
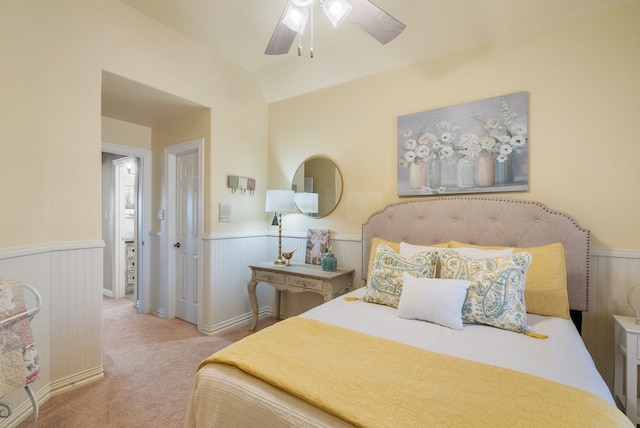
x=124, y=215
x=126, y=224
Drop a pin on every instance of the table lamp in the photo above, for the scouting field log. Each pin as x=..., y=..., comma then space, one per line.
x=279, y=202
x=307, y=203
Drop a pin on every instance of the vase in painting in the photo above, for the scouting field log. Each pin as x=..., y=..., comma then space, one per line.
x=434, y=173
x=486, y=170
x=466, y=172
x=504, y=171
x=417, y=174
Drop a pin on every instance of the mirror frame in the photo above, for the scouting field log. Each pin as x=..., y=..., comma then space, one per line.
x=341, y=190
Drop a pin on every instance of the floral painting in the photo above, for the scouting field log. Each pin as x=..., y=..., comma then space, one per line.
x=481, y=146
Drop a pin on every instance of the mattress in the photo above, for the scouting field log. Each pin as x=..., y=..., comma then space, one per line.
x=225, y=396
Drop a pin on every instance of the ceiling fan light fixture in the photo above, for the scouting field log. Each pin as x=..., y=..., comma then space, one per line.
x=336, y=10
x=296, y=18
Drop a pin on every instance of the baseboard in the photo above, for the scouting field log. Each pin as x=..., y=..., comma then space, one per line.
x=24, y=411
x=237, y=322
x=76, y=380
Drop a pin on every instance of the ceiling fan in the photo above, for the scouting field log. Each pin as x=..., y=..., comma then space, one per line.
x=375, y=21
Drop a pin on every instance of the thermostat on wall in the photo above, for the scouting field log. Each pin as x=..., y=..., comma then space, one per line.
x=225, y=212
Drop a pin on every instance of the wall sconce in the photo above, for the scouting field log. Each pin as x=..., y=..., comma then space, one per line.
x=307, y=203
x=279, y=202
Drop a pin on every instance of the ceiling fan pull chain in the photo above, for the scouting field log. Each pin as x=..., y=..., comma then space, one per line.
x=299, y=44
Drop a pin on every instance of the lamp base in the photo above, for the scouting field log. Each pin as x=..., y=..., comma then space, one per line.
x=280, y=262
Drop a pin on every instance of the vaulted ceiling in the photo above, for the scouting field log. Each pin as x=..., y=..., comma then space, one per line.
x=240, y=30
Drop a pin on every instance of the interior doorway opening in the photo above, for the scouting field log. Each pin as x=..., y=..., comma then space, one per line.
x=126, y=194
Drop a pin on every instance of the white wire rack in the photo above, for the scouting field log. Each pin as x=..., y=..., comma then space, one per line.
x=30, y=313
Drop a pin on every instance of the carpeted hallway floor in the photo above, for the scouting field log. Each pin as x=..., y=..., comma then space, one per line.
x=149, y=368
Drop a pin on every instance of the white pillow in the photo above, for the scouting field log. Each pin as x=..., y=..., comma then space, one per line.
x=478, y=253
x=432, y=299
x=408, y=250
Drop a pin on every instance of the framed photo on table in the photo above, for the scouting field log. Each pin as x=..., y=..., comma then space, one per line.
x=317, y=244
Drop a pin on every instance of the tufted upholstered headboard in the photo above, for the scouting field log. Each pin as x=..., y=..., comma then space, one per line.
x=486, y=221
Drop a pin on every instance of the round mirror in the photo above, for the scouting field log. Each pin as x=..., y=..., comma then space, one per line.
x=319, y=175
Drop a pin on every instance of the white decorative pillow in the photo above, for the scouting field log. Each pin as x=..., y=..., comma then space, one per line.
x=384, y=282
x=408, y=250
x=432, y=299
x=479, y=253
x=496, y=294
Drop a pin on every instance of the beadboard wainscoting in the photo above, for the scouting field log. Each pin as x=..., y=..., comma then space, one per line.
x=613, y=272
x=226, y=274
x=68, y=329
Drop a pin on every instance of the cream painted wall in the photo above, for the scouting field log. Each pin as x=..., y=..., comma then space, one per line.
x=127, y=134
x=50, y=109
x=584, y=89
x=51, y=129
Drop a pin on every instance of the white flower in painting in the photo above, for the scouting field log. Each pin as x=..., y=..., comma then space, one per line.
x=446, y=152
x=487, y=144
x=445, y=125
x=437, y=145
x=422, y=151
x=493, y=123
x=446, y=137
x=518, y=141
x=518, y=129
x=408, y=133
x=410, y=144
x=505, y=149
x=468, y=138
x=500, y=136
x=409, y=156
x=423, y=140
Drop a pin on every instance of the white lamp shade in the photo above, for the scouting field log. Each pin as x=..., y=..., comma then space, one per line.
x=307, y=202
x=296, y=18
x=280, y=201
x=336, y=10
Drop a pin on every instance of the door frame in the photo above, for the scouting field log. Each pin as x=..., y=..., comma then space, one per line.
x=169, y=197
x=143, y=218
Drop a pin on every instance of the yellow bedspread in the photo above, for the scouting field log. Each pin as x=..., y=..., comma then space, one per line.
x=373, y=382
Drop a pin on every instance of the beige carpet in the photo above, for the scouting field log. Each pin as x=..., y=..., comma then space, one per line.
x=149, y=366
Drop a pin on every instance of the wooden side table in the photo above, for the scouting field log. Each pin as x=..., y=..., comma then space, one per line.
x=627, y=343
x=297, y=278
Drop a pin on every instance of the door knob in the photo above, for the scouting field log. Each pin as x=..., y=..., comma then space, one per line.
x=177, y=245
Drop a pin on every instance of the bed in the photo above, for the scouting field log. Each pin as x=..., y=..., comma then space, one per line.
x=375, y=358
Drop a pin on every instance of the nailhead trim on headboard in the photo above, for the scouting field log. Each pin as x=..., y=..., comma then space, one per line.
x=486, y=221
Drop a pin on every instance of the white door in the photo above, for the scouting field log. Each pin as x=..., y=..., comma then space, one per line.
x=186, y=245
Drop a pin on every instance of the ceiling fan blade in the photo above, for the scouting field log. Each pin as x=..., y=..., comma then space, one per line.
x=375, y=21
x=282, y=37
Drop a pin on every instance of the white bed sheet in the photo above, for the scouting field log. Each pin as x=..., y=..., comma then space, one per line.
x=562, y=357
x=225, y=396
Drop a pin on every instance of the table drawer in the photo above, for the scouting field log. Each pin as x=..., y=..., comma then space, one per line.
x=306, y=283
x=270, y=277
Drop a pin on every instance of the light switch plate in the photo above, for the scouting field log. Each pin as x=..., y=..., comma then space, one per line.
x=225, y=212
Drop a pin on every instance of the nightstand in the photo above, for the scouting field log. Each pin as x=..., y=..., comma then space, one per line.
x=627, y=343
x=297, y=278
